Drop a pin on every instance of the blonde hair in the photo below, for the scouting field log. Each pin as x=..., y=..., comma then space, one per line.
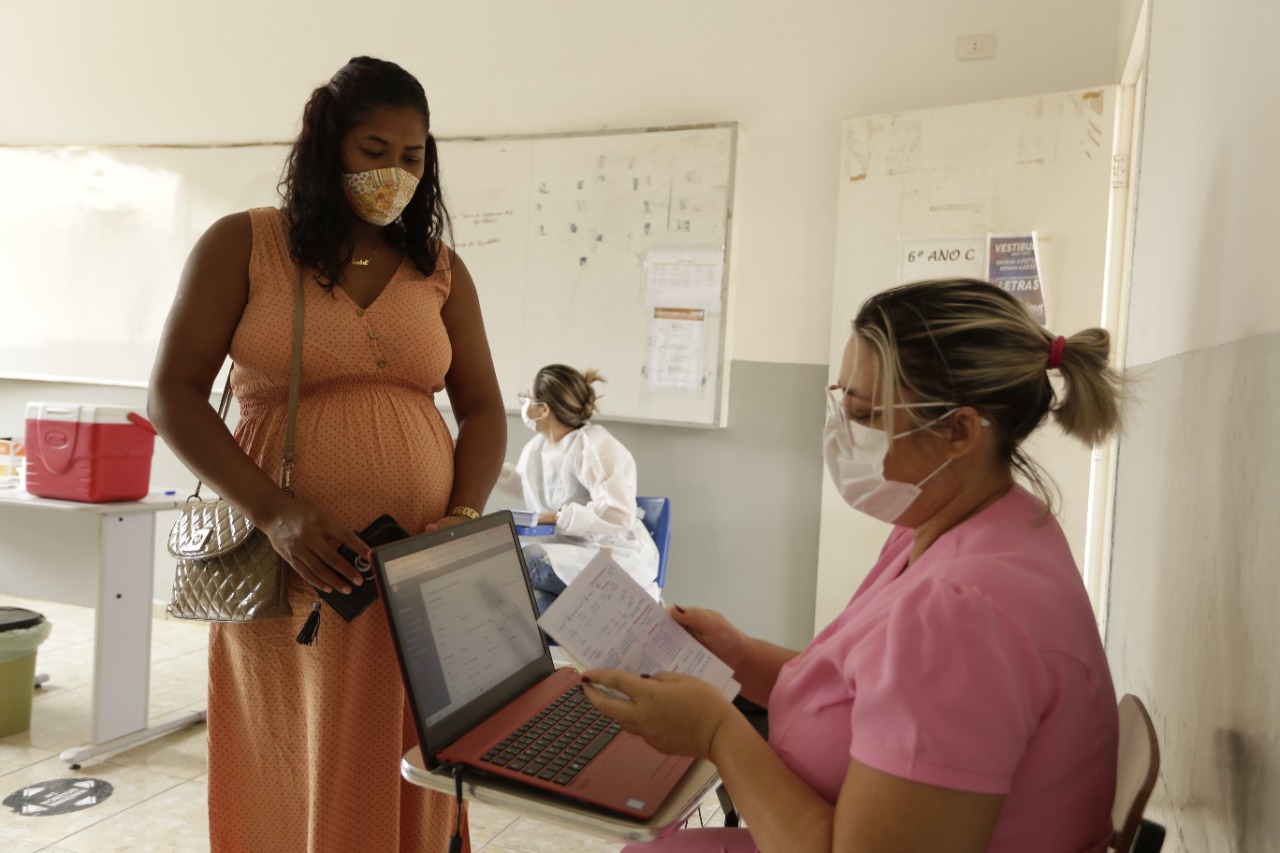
x=568, y=393
x=966, y=342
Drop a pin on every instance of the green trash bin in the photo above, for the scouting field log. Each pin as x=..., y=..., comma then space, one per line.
x=21, y=632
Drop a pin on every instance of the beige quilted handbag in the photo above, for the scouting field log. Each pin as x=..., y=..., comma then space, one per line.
x=227, y=570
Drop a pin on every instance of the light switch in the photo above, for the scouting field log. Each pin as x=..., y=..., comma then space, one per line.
x=976, y=46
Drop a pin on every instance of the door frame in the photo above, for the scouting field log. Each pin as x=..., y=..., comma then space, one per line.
x=1130, y=102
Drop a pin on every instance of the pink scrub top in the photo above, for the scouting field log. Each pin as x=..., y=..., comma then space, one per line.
x=980, y=669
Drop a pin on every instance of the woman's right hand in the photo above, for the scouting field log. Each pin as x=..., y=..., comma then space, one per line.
x=713, y=631
x=308, y=540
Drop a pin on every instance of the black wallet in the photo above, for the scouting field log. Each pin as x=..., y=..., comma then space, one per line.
x=384, y=529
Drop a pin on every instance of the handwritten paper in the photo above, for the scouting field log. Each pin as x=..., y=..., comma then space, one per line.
x=605, y=620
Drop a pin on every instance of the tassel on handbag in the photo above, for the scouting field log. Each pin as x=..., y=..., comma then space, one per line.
x=310, y=628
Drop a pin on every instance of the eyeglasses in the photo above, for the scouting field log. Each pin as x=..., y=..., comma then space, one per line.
x=525, y=397
x=837, y=405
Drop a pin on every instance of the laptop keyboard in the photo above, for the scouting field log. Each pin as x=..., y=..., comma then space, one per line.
x=558, y=741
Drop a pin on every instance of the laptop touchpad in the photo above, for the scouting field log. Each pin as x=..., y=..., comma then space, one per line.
x=638, y=758
x=667, y=767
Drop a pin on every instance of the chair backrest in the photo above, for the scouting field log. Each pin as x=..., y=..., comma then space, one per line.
x=1139, y=763
x=657, y=520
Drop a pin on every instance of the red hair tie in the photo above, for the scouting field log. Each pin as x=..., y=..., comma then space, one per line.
x=1055, y=353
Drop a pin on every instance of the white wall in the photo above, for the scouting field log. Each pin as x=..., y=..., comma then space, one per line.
x=1130, y=19
x=1209, y=174
x=1192, y=628
x=145, y=71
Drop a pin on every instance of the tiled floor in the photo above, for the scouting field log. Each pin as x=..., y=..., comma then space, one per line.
x=158, y=801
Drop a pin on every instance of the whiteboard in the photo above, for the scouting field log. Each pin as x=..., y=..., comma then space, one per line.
x=96, y=239
x=556, y=231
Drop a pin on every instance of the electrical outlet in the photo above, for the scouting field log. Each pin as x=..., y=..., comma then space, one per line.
x=976, y=46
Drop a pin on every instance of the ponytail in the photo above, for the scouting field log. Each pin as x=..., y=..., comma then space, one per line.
x=1090, y=401
x=966, y=342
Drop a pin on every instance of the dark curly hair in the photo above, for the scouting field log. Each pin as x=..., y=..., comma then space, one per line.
x=311, y=185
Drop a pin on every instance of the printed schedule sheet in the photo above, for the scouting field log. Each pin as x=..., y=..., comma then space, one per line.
x=605, y=620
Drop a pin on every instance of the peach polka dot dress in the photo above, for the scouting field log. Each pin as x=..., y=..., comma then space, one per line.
x=305, y=742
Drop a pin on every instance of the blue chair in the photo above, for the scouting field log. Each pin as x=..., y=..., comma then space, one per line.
x=657, y=520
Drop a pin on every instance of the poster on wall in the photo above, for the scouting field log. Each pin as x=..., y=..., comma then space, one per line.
x=1013, y=264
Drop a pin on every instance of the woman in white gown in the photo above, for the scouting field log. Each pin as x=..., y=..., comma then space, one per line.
x=580, y=479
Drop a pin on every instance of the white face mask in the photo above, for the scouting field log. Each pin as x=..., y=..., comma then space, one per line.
x=530, y=422
x=855, y=456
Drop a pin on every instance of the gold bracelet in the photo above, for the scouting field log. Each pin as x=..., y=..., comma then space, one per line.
x=465, y=510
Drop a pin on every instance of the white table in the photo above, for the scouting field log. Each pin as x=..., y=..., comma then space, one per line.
x=699, y=780
x=122, y=623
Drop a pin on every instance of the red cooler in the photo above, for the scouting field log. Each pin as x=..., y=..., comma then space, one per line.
x=88, y=453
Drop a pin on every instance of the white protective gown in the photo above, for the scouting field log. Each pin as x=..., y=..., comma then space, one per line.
x=590, y=478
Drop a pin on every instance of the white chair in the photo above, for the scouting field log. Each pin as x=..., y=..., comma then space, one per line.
x=1136, y=771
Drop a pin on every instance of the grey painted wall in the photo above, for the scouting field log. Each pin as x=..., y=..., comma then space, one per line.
x=1193, y=627
x=744, y=500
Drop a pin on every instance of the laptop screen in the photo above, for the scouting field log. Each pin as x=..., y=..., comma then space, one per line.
x=461, y=606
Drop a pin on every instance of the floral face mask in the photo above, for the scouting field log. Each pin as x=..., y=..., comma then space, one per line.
x=379, y=196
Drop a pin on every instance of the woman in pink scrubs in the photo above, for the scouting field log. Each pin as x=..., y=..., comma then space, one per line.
x=962, y=700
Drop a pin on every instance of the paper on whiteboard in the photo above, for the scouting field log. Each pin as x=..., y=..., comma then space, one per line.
x=686, y=278
x=926, y=258
x=676, y=344
x=605, y=620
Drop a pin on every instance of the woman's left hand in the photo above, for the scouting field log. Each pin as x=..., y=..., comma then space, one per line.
x=675, y=714
x=548, y=517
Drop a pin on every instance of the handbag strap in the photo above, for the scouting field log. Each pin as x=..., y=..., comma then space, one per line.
x=295, y=382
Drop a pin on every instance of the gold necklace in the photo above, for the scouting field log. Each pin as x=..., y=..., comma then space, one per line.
x=364, y=262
